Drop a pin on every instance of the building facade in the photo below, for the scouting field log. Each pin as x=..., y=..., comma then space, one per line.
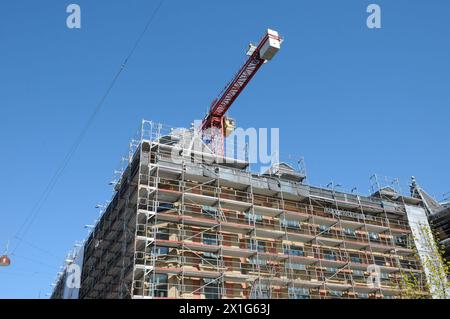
x=186, y=224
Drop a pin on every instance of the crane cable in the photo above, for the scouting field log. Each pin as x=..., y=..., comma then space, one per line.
x=24, y=228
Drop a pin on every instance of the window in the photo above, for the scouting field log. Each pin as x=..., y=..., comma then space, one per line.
x=256, y=218
x=260, y=291
x=211, y=289
x=384, y=275
x=355, y=258
x=162, y=250
x=296, y=266
x=379, y=261
x=298, y=293
x=324, y=229
x=260, y=246
x=251, y=244
x=358, y=273
x=329, y=255
x=291, y=224
x=349, y=232
x=335, y=293
x=210, y=259
x=258, y=261
x=164, y=206
x=209, y=211
x=407, y=264
x=374, y=236
x=294, y=251
x=363, y=295
x=161, y=286
x=209, y=239
x=163, y=234
x=400, y=240
x=331, y=270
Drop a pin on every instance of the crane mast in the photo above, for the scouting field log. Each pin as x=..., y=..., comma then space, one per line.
x=216, y=126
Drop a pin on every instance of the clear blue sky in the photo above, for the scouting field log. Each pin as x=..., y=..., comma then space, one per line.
x=353, y=101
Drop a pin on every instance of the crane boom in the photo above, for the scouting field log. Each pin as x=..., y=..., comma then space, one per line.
x=258, y=55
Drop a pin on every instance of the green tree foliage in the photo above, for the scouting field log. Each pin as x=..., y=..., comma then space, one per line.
x=436, y=266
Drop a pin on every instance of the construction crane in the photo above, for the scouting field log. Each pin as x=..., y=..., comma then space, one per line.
x=215, y=127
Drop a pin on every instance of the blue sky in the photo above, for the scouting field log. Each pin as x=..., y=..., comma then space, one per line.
x=352, y=101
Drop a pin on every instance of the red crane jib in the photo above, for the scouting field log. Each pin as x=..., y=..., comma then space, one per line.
x=222, y=103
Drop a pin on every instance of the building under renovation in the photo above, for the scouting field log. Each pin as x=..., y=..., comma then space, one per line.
x=188, y=220
x=179, y=228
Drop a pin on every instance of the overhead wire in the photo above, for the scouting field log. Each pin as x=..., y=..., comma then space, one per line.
x=25, y=226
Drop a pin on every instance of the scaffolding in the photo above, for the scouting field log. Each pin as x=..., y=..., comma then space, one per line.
x=177, y=227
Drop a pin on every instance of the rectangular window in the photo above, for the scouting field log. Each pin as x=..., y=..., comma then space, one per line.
x=400, y=240
x=374, y=236
x=329, y=255
x=210, y=259
x=349, y=232
x=384, y=275
x=379, y=261
x=258, y=261
x=296, y=266
x=261, y=291
x=407, y=264
x=209, y=211
x=324, y=229
x=335, y=293
x=164, y=207
x=358, y=273
x=162, y=250
x=355, y=258
x=330, y=270
x=211, y=289
x=298, y=293
x=162, y=234
x=294, y=250
x=260, y=246
x=290, y=224
x=251, y=216
x=210, y=239
x=251, y=244
x=161, y=286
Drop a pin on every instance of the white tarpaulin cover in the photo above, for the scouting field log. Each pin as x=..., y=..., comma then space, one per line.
x=426, y=249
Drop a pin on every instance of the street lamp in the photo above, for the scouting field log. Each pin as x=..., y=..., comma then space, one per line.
x=4, y=260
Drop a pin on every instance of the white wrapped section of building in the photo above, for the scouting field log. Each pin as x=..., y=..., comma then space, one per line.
x=428, y=252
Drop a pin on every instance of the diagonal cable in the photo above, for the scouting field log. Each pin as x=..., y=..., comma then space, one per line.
x=24, y=228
